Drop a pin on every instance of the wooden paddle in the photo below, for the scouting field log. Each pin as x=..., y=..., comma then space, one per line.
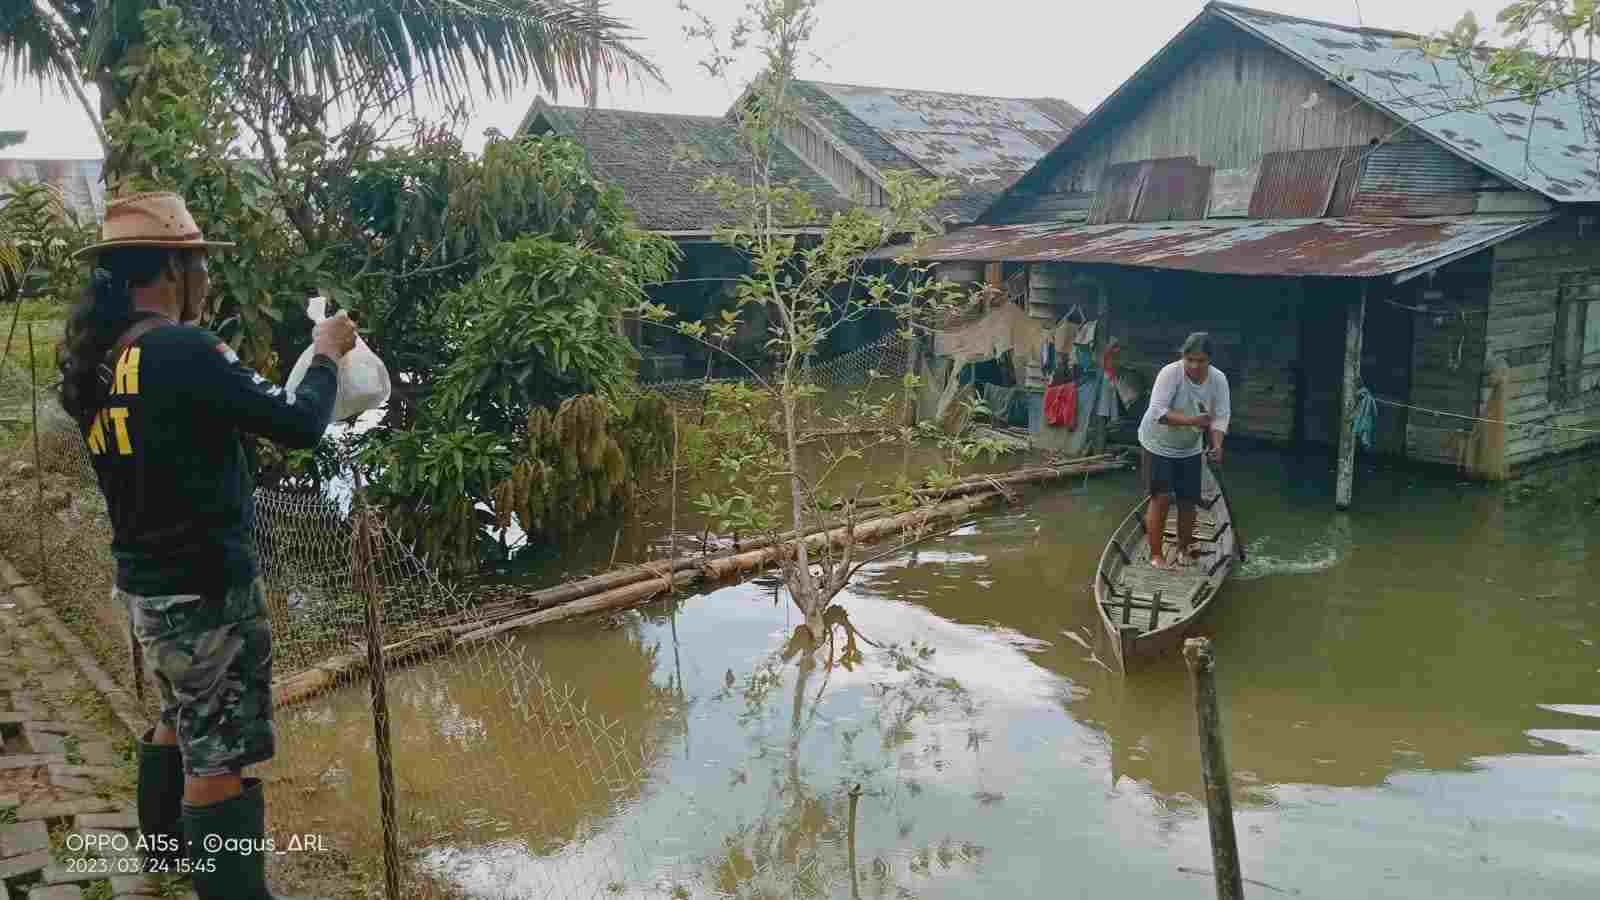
x=1216, y=472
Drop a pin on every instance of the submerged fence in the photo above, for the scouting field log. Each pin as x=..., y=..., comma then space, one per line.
x=437, y=780
x=850, y=388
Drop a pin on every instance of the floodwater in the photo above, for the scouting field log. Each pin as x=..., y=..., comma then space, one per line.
x=1411, y=694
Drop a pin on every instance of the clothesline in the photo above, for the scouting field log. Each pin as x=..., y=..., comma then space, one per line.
x=1387, y=402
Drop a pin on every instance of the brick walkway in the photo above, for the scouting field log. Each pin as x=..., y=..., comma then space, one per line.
x=64, y=771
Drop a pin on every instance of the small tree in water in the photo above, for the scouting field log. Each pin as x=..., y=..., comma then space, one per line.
x=809, y=286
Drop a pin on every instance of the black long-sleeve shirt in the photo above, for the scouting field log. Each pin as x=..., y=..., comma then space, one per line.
x=167, y=453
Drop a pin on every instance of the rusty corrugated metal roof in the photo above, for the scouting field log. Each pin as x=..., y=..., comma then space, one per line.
x=981, y=143
x=963, y=136
x=1287, y=247
x=1544, y=147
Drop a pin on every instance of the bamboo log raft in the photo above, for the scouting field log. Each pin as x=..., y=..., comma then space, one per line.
x=584, y=587
x=639, y=584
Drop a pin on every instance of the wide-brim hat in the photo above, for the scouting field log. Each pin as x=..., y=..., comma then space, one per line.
x=151, y=219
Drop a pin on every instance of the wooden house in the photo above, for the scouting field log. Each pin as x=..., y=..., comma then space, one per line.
x=78, y=180
x=839, y=147
x=1321, y=200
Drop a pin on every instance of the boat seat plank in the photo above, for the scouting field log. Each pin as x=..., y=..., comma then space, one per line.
x=1177, y=588
x=1202, y=535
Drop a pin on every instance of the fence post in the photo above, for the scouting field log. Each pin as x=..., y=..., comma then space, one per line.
x=38, y=469
x=364, y=578
x=855, y=883
x=1214, y=769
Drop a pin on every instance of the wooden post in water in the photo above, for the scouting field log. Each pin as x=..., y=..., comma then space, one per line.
x=364, y=579
x=855, y=884
x=1214, y=769
x=38, y=469
x=1354, y=324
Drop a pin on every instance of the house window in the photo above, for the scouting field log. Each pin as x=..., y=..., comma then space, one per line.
x=1575, y=358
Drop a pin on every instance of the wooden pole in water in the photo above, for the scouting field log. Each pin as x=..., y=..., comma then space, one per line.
x=1354, y=324
x=1214, y=769
x=362, y=562
x=38, y=469
x=855, y=884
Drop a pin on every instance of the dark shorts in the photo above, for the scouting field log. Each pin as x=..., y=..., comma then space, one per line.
x=212, y=657
x=1165, y=475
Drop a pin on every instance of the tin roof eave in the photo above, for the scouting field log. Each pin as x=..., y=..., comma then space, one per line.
x=1331, y=248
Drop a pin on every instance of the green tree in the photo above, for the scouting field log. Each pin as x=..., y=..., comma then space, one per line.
x=319, y=49
x=808, y=289
x=516, y=374
x=1546, y=47
x=39, y=231
x=490, y=283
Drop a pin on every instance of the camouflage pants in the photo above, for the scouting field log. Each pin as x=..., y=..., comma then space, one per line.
x=212, y=657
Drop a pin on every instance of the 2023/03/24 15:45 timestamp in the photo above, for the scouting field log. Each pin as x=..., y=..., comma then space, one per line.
x=134, y=865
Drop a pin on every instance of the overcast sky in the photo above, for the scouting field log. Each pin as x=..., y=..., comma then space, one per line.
x=1078, y=50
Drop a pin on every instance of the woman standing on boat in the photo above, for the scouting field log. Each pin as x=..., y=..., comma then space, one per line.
x=1189, y=400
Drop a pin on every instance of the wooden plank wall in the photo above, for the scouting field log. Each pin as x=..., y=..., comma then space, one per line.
x=1254, y=322
x=1447, y=356
x=1528, y=273
x=1229, y=106
x=841, y=171
x=1386, y=361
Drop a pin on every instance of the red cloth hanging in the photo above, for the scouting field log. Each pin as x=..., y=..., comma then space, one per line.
x=1061, y=405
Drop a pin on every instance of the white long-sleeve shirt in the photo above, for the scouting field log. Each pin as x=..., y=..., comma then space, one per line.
x=1174, y=392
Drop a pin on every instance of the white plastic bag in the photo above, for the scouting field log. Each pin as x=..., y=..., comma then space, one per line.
x=363, y=378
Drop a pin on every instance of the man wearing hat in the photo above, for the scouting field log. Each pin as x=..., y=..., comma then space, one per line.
x=162, y=404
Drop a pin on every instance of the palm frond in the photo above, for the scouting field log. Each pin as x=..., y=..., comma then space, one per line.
x=31, y=47
x=445, y=47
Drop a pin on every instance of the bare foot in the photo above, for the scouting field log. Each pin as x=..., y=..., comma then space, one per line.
x=1160, y=562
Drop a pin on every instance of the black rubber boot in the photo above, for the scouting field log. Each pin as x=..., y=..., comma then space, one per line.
x=160, y=791
x=228, y=874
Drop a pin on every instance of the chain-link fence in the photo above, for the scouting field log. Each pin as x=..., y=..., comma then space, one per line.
x=466, y=770
x=335, y=578
x=858, y=390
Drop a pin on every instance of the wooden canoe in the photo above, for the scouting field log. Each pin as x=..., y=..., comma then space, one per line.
x=1147, y=611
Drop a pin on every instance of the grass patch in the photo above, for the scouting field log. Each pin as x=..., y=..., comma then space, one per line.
x=58, y=844
x=48, y=321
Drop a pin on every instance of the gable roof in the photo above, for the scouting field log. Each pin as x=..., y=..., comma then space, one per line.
x=1541, y=149
x=660, y=162
x=983, y=144
x=1540, y=146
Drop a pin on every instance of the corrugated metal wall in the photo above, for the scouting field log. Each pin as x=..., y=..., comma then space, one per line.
x=1175, y=190
x=1299, y=184
x=1416, y=178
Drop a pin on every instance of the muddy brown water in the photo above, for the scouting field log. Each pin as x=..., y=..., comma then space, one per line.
x=1411, y=694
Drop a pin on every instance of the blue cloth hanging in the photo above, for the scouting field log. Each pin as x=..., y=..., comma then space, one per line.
x=1366, y=419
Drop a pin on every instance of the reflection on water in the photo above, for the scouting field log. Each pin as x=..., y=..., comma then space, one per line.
x=1409, y=691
